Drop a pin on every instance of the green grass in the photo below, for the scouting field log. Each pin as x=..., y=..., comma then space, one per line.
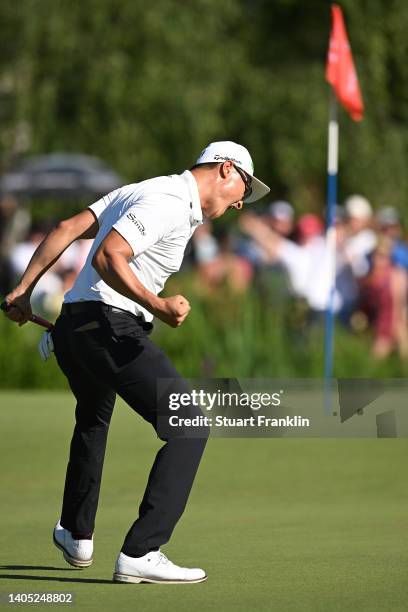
x=279, y=524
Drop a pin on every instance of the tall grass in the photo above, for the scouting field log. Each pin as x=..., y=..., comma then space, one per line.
x=224, y=336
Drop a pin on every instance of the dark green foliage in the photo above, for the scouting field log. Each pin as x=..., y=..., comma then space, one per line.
x=145, y=85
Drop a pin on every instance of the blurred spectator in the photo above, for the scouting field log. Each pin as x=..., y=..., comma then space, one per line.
x=307, y=263
x=389, y=225
x=217, y=263
x=384, y=302
x=14, y=224
x=346, y=284
x=281, y=218
x=50, y=284
x=361, y=240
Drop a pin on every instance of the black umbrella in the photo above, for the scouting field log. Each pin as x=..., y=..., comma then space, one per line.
x=59, y=175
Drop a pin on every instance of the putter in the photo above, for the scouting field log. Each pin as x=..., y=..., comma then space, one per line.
x=34, y=318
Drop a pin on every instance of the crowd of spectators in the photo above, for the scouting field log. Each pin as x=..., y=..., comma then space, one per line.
x=368, y=257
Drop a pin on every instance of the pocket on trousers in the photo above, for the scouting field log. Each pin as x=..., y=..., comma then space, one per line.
x=88, y=326
x=123, y=326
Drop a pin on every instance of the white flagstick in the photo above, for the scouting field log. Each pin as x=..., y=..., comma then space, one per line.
x=332, y=170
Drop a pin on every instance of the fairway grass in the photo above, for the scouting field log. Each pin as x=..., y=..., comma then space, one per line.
x=279, y=524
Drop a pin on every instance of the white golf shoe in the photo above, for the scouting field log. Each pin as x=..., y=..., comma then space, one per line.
x=76, y=552
x=154, y=567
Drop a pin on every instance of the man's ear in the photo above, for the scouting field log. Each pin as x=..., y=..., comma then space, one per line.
x=226, y=168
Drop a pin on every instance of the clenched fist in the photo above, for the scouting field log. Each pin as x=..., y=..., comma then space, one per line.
x=173, y=310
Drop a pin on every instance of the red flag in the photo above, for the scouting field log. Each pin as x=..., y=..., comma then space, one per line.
x=340, y=70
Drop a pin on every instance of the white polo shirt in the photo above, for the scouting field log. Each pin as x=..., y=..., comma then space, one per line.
x=157, y=218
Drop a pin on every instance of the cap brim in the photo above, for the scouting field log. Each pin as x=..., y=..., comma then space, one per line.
x=259, y=190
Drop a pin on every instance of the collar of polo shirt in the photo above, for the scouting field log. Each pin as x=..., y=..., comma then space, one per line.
x=196, y=216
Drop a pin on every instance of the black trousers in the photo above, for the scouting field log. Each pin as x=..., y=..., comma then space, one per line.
x=103, y=352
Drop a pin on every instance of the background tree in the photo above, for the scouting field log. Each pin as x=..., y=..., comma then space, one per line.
x=145, y=85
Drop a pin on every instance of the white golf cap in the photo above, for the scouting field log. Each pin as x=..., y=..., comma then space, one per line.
x=239, y=155
x=358, y=207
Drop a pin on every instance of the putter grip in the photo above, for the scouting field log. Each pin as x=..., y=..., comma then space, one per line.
x=42, y=322
x=34, y=318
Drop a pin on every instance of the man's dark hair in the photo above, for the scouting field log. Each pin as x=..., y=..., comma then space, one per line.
x=206, y=165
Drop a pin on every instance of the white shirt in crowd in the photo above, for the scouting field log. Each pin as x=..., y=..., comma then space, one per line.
x=309, y=270
x=357, y=249
x=157, y=218
x=20, y=256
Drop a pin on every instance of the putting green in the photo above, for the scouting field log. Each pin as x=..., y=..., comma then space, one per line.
x=279, y=524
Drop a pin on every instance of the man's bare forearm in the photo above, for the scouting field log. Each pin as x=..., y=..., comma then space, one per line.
x=46, y=254
x=111, y=261
x=54, y=244
x=83, y=225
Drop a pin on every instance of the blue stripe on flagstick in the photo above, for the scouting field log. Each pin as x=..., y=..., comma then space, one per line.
x=329, y=327
x=331, y=198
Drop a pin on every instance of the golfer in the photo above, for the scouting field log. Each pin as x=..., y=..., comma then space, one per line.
x=101, y=342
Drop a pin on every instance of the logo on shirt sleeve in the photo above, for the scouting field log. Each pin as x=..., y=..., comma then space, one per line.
x=138, y=223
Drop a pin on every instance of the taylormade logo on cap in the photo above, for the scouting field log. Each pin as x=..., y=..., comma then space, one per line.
x=227, y=150
x=237, y=161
